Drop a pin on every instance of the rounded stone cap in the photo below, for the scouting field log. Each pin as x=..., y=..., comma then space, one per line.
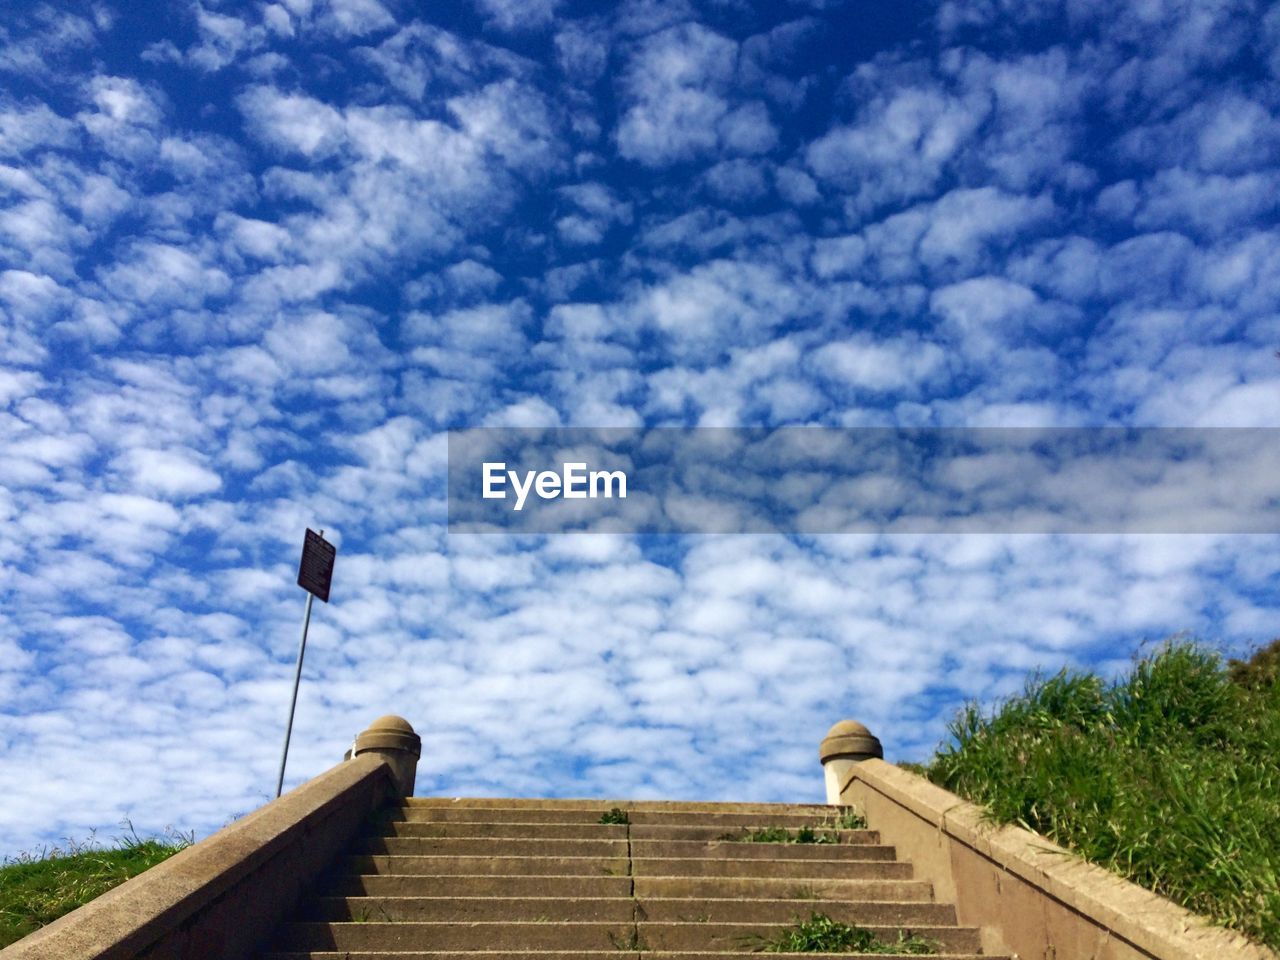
x=849, y=738
x=389, y=733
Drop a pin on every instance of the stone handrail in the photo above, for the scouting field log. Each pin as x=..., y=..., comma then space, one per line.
x=1029, y=897
x=220, y=899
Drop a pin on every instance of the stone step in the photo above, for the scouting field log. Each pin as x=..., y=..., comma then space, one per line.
x=682, y=849
x=469, y=909
x=810, y=869
x=864, y=913
x=807, y=869
x=586, y=803
x=677, y=831
x=560, y=909
x=465, y=830
x=489, y=847
x=744, y=888
x=588, y=831
x=484, y=866
x=727, y=819
x=374, y=885
x=781, y=888
x=579, y=955
x=535, y=936
x=739, y=850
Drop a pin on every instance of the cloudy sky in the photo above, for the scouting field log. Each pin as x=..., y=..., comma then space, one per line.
x=258, y=259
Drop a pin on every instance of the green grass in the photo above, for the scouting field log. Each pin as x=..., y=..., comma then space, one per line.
x=615, y=816
x=846, y=819
x=1169, y=776
x=782, y=835
x=821, y=934
x=38, y=888
x=825, y=832
x=632, y=942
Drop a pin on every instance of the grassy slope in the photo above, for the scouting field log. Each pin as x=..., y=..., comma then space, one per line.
x=1169, y=776
x=35, y=891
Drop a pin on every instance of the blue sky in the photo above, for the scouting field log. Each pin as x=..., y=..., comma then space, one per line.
x=256, y=260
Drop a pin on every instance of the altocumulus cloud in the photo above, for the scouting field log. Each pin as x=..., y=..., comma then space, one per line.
x=256, y=260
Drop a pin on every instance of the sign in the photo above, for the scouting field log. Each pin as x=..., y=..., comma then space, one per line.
x=316, y=569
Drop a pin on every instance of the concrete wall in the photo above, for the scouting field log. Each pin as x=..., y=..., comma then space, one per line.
x=1028, y=896
x=222, y=897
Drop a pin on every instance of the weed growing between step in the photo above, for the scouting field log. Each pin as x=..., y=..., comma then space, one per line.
x=364, y=914
x=616, y=816
x=827, y=831
x=38, y=888
x=847, y=819
x=821, y=934
x=632, y=941
x=782, y=835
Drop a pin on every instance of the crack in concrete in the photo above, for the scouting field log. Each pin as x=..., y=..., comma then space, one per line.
x=637, y=912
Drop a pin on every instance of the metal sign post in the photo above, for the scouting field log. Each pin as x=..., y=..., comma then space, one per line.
x=315, y=573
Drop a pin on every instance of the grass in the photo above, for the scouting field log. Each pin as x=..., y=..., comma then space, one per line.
x=781, y=835
x=38, y=888
x=1167, y=776
x=847, y=819
x=825, y=832
x=821, y=934
x=632, y=941
x=617, y=816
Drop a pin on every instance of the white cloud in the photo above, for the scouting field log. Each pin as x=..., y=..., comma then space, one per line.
x=353, y=18
x=582, y=50
x=736, y=181
x=984, y=311
x=515, y=15
x=863, y=363
x=160, y=275
x=900, y=145
x=169, y=473
x=1205, y=203
x=292, y=122
x=22, y=130
x=512, y=120
x=422, y=58
x=677, y=106
x=598, y=208
x=43, y=38
x=718, y=302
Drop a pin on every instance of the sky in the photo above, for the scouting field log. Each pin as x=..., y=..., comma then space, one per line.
x=258, y=259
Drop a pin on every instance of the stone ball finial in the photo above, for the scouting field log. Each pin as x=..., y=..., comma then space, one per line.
x=389, y=721
x=392, y=732
x=393, y=739
x=851, y=740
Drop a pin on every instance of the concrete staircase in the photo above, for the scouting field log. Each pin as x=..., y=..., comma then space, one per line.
x=439, y=879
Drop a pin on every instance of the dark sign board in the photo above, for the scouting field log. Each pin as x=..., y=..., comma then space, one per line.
x=316, y=569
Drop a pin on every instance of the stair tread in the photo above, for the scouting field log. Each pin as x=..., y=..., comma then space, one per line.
x=728, y=814
x=608, y=803
x=653, y=832
x=697, y=909
x=640, y=847
x=748, y=888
